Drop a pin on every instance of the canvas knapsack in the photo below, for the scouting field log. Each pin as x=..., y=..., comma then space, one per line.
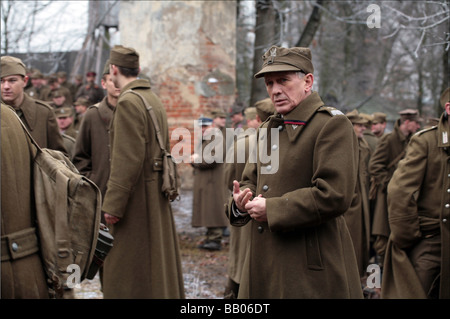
x=171, y=180
x=68, y=210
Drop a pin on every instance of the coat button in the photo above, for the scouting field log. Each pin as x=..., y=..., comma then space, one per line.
x=268, y=167
x=444, y=220
x=280, y=128
x=260, y=229
x=265, y=188
x=447, y=205
x=274, y=147
x=15, y=246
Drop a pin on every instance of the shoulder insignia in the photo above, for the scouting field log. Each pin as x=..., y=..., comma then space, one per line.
x=331, y=110
x=95, y=105
x=426, y=130
x=44, y=104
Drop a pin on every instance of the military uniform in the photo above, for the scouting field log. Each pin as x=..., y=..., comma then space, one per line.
x=91, y=155
x=382, y=165
x=417, y=261
x=22, y=271
x=306, y=238
x=145, y=260
x=92, y=92
x=358, y=216
x=209, y=195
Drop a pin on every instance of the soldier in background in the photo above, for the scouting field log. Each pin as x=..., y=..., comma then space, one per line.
x=37, y=85
x=369, y=136
x=209, y=190
x=62, y=80
x=22, y=270
x=237, y=116
x=390, y=150
x=81, y=106
x=37, y=116
x=239, y=236
x=417, y=263
x=59, y=100
x=52, y=86
x=90, y=91
x=358, y=216
x=378, y=124
x=92, y=156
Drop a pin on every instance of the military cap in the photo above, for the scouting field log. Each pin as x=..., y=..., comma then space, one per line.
x=378, y=117
x=81, y=101
x=238, y=107
x=279, y=59
x=61, y=74
x=78, y=77
x=356, y=118
x=250, y=113
x=36, y=75
x=106, y=68
x=124, y=57
x=445, y=97
x=367, y=117
x=410, y=114
x=205, y=121
x=12, y=66
x=218, y=113
x=57, y=93
x=64, y=111
x=91, y=73
x=265, y=108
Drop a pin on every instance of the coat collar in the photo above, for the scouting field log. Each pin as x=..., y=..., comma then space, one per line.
x=298, y=118
x=29, y=111
x=138, y=83
x=443, y=131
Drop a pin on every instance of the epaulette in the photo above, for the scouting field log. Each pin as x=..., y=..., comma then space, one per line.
x=331, y=110
x=94, y=105
x=431, y=128
x=44, y=104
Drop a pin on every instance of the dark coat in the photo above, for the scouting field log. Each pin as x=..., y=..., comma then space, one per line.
x=22, y=277
x=145, y=260
x=305, y=249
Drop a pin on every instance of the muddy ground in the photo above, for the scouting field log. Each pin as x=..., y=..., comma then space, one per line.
x=204, y=272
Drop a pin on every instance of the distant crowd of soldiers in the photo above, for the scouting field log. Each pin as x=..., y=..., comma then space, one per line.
x=368, y=219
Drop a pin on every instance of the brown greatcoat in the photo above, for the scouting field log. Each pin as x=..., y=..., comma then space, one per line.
x=40, y=121
x=239, y=236
x=382, y=165
x=358, y=216
x=419, y=201
x=210, y=191
x=22, y=277
x=91, y=155
x=145, y=260
x=305, y=249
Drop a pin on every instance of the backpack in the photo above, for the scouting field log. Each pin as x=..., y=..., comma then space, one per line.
x=68, y=210
x=171, y=180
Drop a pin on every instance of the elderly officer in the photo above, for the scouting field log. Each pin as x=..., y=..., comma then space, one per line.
x=299, y=243
x=417, y=261
x=145, y=260
x=383, y=162
x=37, y=116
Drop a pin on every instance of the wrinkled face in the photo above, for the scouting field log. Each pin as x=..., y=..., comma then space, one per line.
x=109, y=86
x=12, y=89
x=287, y=89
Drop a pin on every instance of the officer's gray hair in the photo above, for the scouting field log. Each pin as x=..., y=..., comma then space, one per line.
x=300, y=74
